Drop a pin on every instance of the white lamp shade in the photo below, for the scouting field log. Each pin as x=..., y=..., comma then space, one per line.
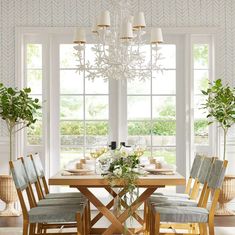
x=104, y=19
x=139, y=20
x=79, y=35
x=156, y=35
x=127, y=31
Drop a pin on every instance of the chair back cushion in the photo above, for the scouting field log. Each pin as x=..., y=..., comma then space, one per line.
x=38, y=165
x=19, y=175
x=217, y=174
x=30, y=170
x=196, y=166
x=205, y=170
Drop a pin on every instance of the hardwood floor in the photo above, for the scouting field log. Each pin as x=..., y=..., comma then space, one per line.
x=220, y=221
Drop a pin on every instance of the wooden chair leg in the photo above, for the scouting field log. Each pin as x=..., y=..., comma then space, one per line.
x=201, y=230
x=211, y=227
x=205, y=229
x=32, y=228
x=79, y=224
x=156, y=224
x=25, y=227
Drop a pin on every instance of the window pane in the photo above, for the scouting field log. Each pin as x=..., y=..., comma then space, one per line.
x=67, y=56
x=167, y=154
x=90, y=58
x=168, y=52
x=97, y=107
x=138, y=107
x=139, y=128
x=201, y=130
x=71, y=133
x=201, y=81
x=145, y=55
x=34, y=56
x=71, y=82
x=98, y=86
x=34, y=81
x=199, y=112
x=69, y=156
x=138, y=87
x=164, y=128
x=71, y=107
x=164, y=83
x=164, y=107
x=201, y=56
x=34, y=134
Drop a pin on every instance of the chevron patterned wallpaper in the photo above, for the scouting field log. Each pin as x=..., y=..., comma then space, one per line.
x=165, y=13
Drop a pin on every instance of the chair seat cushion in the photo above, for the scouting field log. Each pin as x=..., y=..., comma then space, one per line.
x=64, y=195
x=182, y=214
x=61, y=201
x=172, y=202
x=177, y=195
x=54, y=214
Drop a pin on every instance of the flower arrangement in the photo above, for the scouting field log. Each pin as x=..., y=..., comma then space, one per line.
x=122, y=165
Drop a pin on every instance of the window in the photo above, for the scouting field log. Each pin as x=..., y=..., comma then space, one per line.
x=84, y=108
x=33, y=73
x=151, y=108
x=78, y=114
x=201, y=76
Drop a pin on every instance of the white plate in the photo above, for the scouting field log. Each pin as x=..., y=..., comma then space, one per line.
x=78, y=170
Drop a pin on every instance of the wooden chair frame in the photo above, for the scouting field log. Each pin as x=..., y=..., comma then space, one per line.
x=193, y=194
x=41, y=228
x=201, y=228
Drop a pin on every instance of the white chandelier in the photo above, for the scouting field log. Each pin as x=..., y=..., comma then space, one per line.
x=118, y=49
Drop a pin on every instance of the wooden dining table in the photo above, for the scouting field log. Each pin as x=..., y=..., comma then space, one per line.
x=85, y=183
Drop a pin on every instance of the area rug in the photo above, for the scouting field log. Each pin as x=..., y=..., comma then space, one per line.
x=18, y=231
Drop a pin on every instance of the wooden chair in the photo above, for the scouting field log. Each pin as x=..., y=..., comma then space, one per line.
x=47, y=217
x=203, y=177
x=191, y=192
x=33, y=181
x=42, y=182
x=200, y=215
x=192, y=187
x=43, y=189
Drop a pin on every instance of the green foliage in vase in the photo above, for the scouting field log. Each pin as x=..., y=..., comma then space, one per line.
x=17, y=109
x=220, y=104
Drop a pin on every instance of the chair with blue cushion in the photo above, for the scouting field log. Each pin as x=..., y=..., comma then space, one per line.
x=189, y=215
x=202, y=179
x=33, y=180
x=42, y=183
x=37, y=220
x=192, y=187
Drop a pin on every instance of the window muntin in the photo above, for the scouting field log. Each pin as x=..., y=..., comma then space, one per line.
x=151, y=108
x=84, y=108
x=201, y=73
x=33, y=79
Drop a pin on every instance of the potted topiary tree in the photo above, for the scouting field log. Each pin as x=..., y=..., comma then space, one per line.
x=220, y=105
x=17, y=109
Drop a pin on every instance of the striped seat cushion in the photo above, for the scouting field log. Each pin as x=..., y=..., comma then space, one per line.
x=64, y=195
x=61, y=201
x=182, y=214
x=55, y=214
x=172, y=202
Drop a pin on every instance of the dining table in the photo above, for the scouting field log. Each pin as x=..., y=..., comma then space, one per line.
x=85, y=184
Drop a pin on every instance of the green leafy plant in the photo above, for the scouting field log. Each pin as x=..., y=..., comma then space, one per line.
x=123, y=167
x=17, y=109
x=220, y=104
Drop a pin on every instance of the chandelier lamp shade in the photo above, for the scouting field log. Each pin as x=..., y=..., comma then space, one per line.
x=117, y=45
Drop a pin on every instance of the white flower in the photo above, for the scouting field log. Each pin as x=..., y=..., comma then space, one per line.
x=118, y=172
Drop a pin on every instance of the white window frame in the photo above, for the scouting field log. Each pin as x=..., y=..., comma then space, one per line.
x=117, y=98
